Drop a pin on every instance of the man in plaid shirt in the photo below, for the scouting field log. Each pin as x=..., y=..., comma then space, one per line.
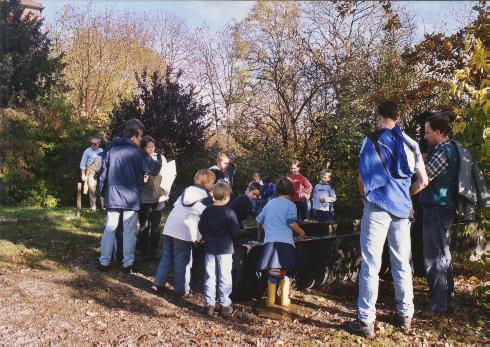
x=438, y=201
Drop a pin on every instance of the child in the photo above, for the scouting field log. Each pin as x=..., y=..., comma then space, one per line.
x=218, y=226
x=278, y=218
x=268, y=190
x=243, y=206
x=181, y=231
x=256, y=203
x=324, y=197
x=302, y=190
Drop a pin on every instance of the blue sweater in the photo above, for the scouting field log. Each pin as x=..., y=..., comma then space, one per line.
x=218, y=226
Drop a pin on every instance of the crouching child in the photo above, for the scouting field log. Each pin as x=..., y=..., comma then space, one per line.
x=218, y=226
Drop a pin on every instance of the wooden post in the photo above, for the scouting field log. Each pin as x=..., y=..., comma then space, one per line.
x=79, y=200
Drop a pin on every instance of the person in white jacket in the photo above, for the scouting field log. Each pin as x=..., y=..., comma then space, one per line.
x=181, y=231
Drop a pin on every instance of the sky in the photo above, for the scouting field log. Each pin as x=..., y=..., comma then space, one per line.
x=429, y=16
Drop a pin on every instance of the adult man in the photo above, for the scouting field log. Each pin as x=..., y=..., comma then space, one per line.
x=221, y=168
x=438, y=201
x=90, y=167
x=388, y=160
x=121, y=178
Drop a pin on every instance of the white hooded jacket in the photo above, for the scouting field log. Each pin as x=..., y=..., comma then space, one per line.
x=183, y=219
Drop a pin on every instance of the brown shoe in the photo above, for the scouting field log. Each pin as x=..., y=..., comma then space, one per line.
x=226, y=311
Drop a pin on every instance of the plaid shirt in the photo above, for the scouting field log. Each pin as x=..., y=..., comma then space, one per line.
x=438, y=161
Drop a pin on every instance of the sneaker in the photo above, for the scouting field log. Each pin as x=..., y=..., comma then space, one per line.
x=361, y=328
x=156, y=289
x=103, y=268
x=208, y=310
x=226, y=311
x=403, y=322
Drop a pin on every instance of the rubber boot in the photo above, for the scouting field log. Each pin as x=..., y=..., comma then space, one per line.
x=284, y=285
x=271, y=294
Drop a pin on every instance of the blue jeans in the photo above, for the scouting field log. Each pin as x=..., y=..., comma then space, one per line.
x=176, y=256
x=218, y=275
x=129, y=236
x=376, y=226
x=323, y=216
x=437, y=257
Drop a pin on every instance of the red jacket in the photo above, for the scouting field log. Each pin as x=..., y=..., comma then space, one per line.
x=302, y=187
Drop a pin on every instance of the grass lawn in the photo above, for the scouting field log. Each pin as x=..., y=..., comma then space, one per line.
x=51, y=293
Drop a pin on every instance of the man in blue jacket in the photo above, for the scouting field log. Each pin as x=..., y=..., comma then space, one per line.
x=388, y=160
x=120, y=181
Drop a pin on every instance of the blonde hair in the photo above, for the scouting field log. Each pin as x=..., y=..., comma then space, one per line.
x=204, y=176
x=221, y=156
x=221, y=191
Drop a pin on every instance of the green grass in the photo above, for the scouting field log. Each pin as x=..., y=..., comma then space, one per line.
x=48, y=238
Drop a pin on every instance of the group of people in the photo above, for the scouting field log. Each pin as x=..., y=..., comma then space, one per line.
x=391, y=170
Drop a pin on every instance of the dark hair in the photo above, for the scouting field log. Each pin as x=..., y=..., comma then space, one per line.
x=388, y=109
x=146, y=140
x=284, y=186
x=267, y=179
x=132, y=128
x=439, y=122
x=254, y=186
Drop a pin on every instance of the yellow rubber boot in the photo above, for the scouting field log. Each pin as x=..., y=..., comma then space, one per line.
x=271, y=294
x=284, y=285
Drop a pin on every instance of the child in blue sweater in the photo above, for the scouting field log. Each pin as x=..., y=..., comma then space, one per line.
x=218, y=226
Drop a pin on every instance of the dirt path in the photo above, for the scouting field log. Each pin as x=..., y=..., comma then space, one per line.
x=79, y=307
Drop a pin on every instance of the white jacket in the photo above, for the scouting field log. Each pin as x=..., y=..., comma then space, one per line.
x=184, y=217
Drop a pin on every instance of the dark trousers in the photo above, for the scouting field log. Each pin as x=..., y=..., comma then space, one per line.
x=149, y=237
x=323, y=216
x=302, y=208
x=437, y=257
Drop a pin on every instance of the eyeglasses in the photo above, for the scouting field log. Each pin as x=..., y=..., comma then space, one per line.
x=94, y=144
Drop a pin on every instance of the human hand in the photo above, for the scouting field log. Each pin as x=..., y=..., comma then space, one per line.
x=146, y=178
x=160, y=206
x=84, y=177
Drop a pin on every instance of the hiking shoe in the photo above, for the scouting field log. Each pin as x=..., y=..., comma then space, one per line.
x=226, y=311
x=208, y=310
x=361, y=328
x=403, y=322
x=156, y=289
x=103, y=268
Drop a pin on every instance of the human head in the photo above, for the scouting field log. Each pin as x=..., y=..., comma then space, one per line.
x=256, y=177
x=294, y=167
x=94, y=142
x=148, y=144
x=267, y=179
x=284, y=187
x=325, y=175
x=253, y=190
x=232, y=158
x=222, y=161
x=387, y=114
x=437, y=129
x=133, y=129
x=205, y=178
x=221, y=192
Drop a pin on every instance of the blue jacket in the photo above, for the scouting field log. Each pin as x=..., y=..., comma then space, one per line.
x=121, y=175
x=385, y=171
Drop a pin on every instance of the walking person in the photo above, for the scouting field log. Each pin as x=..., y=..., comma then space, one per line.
x=121, y=178
x=388, y=160
x=90, y=165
